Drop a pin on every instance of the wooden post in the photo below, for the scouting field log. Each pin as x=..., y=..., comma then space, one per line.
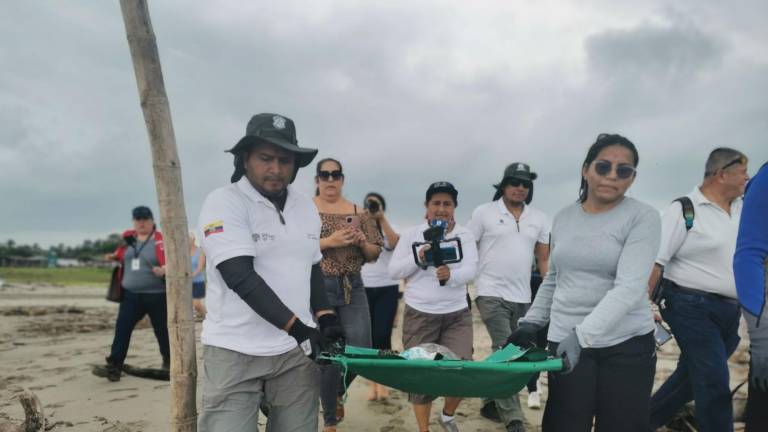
x=157, y=116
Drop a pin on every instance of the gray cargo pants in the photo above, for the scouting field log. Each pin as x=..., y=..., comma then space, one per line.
x=500, y=318
x=234, y=385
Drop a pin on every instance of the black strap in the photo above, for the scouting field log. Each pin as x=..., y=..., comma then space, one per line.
x=688, y=211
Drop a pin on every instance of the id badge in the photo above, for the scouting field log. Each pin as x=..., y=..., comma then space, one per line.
x=135, y=264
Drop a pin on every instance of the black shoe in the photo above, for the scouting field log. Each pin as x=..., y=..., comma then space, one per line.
x=516, y=426
x=491, y=412
x=110, y=371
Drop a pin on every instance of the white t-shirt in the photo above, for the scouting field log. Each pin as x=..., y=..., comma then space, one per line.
x=506, y=249
x=422, y=289
x=702, y=258
x=376, y=274
x=236, y=220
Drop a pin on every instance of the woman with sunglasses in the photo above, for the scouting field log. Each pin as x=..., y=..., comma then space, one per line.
x=348, y=239
x=595, y=301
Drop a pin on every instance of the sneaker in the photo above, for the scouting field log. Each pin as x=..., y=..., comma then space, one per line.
x=448, y=426
x=490, y=412
x=534, y=400
x=516, y=426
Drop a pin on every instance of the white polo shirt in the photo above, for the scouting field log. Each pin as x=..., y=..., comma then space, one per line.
x=702, y=258
x=506, y=249
x=237, y=220
x=422, y=289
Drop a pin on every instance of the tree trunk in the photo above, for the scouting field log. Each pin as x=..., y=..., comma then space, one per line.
x=173, y=218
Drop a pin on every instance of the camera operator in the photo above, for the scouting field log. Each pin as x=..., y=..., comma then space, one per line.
x=382, y=291
x=436, y=313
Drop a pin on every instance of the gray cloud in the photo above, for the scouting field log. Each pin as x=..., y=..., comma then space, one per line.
x=403, y=93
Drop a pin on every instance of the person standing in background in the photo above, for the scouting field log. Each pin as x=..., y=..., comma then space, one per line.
x=510, y=234
x=382, y=291
x=349, y=238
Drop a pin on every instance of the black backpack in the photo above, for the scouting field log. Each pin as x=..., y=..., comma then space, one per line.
x=688, y=212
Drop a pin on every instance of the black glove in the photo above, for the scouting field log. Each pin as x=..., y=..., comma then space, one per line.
x=307, y=337
x=524, y=335
x=332, y=338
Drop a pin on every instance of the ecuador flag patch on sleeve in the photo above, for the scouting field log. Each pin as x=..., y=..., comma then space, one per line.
x=213, y=228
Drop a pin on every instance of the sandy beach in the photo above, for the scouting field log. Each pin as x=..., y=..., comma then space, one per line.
x=51, y=335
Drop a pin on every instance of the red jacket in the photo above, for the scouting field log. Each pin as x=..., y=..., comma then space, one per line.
x=120, y=251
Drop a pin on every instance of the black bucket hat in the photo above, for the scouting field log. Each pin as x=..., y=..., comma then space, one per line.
x=274, y=129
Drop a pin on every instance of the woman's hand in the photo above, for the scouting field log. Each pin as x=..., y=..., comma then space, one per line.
x=343, y=237
x=443, y=273
x=159, y=271
x=422, y=252
x=360, y=239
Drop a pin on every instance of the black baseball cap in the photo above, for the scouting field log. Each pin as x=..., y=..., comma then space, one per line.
x=142, y=212
x=443, y=187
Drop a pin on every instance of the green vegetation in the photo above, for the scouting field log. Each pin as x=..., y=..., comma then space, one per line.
x=59, y=276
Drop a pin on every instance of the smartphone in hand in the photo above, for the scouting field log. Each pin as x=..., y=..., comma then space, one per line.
x=662, y=335
x=353, y=221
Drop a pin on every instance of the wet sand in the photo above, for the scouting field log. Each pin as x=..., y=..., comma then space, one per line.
x=50, y=336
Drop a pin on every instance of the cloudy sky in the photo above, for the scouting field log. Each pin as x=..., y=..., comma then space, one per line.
x=404, y=93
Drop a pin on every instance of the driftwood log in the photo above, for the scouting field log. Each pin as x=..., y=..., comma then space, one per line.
x=33, y=413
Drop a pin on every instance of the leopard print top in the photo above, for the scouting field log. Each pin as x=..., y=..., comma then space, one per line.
x=349, y=259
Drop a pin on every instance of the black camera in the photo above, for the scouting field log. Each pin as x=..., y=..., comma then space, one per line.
x=372, y=206
x=130, y=239
x=442, y=250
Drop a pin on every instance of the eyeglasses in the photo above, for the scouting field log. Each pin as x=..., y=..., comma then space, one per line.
x=330, y=175
x=515, y=182
x=733, y=162
x=623, y=171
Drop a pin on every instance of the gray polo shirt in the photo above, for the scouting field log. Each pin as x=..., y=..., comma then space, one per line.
x=598, y=274
x=142, y=280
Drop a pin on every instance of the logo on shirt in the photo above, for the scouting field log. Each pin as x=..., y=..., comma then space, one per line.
x=264, y=237
x=213, y=228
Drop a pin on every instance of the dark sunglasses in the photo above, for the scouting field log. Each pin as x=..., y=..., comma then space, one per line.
x=603, y=168
x=515, y=182
x=333, y=175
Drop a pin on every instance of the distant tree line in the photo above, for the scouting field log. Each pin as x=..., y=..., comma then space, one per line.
x=88, y=250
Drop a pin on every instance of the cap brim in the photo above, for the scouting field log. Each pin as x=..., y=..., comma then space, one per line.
x=304, y=156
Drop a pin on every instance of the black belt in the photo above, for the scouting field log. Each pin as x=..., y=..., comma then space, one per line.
x=682, y=289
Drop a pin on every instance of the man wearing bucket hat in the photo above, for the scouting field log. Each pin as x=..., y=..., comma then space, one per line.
x=265, y=288
x=509, y=234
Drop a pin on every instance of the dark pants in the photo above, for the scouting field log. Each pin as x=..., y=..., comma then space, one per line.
x=757, y=410
x=382, y=304
x=706, y=332
x=132, y=309
x=356, y=321
x=611, y=385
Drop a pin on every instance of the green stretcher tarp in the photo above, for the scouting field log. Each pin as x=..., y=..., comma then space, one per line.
x=502, y=374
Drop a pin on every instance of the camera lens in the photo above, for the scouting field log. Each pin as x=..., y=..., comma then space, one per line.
x=373, y=206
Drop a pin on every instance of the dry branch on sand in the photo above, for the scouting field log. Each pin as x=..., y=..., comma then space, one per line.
x=33, y=413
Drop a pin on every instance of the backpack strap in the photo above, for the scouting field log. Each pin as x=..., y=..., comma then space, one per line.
x=688, y=211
